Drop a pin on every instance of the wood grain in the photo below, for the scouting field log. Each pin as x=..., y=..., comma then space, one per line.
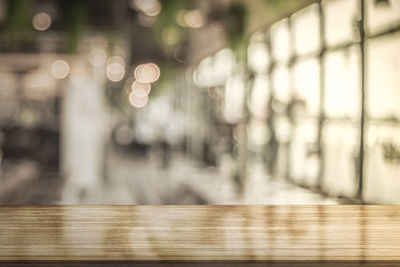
x=200, y=233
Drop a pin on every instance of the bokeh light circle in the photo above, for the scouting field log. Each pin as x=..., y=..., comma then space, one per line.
x=141, y=89
x=60, y=69
x=137, y=102
x=147, y=73
x=41, y=21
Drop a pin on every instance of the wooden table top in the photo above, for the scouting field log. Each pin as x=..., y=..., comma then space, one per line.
x=198, y=233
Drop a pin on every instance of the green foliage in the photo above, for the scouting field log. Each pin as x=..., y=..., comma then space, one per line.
x=18, y=21
x=167, y=19
x=170, y=9
x=167, y=16
x=276, y=3
x=236, y=27
x=168, y=73
x=77, y=23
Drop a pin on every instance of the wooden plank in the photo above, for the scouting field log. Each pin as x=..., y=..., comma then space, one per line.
x=350, y=233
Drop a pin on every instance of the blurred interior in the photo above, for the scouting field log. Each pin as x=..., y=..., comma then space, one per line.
x=199, y=102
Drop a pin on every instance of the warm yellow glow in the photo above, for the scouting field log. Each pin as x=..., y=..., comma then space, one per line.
x=117, y=59
x=60, y=69
x=194, y=19
x=180, y=18
x=190, y=18
x=152, y=10
x=147, y=73
x=115, y=70
x=141, y=89
x=41, y=21
x=170, y=36
x=148, y=7
x=97, y=57
x=137, y=102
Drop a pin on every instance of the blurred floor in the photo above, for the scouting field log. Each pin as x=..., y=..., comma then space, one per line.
x=140, y=180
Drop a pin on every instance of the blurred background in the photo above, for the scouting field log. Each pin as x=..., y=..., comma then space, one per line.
x=199, y=101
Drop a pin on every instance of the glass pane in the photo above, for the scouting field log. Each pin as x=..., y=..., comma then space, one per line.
x=306, y=85
x=382, y=163
x=383, y=77
x=257, y=54
x=283, y=131
x=382, y=14
x=223, y=64
x=340, y=30
x=204, y=75
x=260, y=96
x=281, y=166
x=342, y=83
x=258, y=57
x=304, y=164
x=340, y=143
x=281, y=83
x=306, y=25
x=258, y=134
x=234, y=95
x=280, y=38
